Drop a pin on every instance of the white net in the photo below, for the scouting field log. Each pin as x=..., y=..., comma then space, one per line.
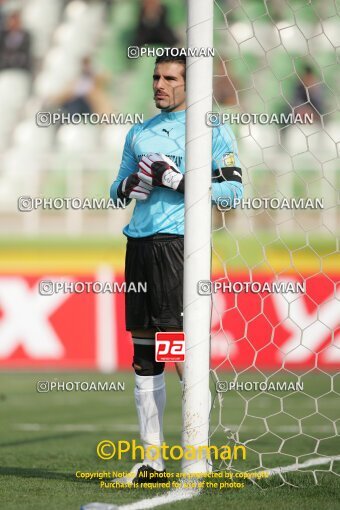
x=275, y=345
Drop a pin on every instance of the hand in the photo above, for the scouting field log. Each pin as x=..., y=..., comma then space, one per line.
x=133, y=187
x=159, y=170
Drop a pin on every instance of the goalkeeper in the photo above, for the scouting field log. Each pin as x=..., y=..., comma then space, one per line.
x=152, y=173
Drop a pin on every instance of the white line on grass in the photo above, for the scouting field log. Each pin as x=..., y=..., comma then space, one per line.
x=181, y=494
x=74, y=427
x=130, y=427
x=172, y=497
x=317, y=461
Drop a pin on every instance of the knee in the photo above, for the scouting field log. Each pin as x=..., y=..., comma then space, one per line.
x=144, y=363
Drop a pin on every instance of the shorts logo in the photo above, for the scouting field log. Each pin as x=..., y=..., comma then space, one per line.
x=170, y=346
x=229, y=159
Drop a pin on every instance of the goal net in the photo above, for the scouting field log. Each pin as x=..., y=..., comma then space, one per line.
x=275, y=347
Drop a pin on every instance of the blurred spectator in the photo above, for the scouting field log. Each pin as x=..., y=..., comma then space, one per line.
x=224, y=86
x=308, y=96
x=153, y=26
x=86, y=94
x=108, y=6
x=277, y=10
x=15, y=43
x=2, y=15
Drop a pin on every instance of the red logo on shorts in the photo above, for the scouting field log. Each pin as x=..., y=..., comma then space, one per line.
x=170, y=346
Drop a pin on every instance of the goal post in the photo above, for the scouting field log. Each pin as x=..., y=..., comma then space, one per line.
x=197, y=240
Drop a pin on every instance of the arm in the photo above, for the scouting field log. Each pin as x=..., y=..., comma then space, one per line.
x=159, y=170
x=226, y=167
x=126, y=186
x=227, y=184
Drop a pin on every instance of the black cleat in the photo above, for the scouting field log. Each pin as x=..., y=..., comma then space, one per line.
x=148, y=474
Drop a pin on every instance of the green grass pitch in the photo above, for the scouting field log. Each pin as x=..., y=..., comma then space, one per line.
x=47, y=437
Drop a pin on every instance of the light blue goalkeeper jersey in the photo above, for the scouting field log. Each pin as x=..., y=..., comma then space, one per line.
x=163, y=210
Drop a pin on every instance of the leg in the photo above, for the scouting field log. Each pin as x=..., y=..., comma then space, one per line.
x=161, y=265
x=179, y=370
x=149, y=376
x=150, y=394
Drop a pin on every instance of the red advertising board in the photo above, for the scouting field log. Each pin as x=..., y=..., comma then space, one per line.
x=75, y=331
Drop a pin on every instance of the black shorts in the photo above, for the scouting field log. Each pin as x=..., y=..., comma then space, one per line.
x=158, y=261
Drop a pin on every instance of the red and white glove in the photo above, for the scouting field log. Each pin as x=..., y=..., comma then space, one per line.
x=159, y=170
x=133, y=187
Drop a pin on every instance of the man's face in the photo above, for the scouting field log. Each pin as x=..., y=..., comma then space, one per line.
x=13, y=22
x=169, y=86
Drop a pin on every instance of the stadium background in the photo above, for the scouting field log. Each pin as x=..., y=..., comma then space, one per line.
x=262, y=51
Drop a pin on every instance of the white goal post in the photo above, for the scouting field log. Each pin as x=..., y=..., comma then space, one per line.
x=197, y=241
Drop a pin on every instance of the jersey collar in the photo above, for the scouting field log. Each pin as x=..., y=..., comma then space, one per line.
x=179, y=116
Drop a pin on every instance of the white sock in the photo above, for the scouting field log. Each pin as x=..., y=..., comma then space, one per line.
x=150, y=399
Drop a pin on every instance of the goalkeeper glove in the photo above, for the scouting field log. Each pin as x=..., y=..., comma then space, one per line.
x=159, y=170
x=133, y=187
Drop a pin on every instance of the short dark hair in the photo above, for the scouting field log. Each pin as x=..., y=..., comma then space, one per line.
x=180, y=59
